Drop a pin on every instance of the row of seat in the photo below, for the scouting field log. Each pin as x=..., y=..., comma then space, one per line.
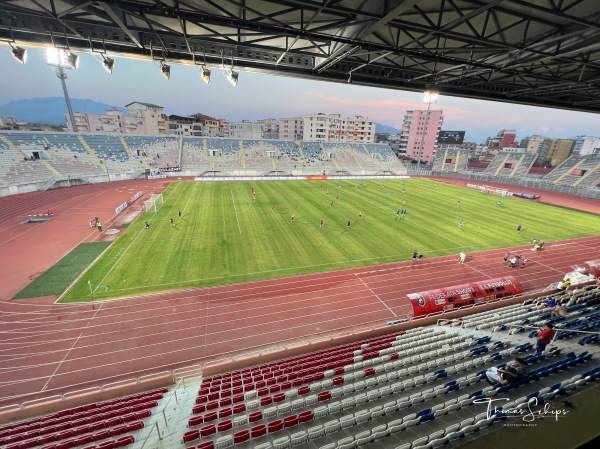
x=87, y=419
x=377, y=388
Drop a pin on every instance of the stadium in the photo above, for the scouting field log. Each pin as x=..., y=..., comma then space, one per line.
x=292, y=294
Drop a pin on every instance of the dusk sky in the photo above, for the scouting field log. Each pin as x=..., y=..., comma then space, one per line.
x=260, y=96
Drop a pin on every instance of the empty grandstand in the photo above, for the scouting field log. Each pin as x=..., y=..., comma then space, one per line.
x=449, y=160
x=511, y=165
x=580, y=171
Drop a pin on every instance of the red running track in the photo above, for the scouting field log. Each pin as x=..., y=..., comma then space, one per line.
x=48, y=349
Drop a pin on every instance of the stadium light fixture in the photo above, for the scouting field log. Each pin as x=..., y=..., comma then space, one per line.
x=205, y=74
x=59, y=57
x=108, y=63
x=232, y=76
x=165, y=70
x=19, y=53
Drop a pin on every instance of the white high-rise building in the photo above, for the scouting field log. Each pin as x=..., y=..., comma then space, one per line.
x=291, y=128
x=584, y=145
x=245, y=130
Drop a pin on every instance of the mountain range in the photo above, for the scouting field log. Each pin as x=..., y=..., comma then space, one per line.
x=51, y=111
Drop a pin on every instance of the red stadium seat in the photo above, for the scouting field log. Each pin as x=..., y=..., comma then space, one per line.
x=195, y=420
x=303, y=390
x=208, y=430
x=239, y=408
x=258, y=431
x=191, y=435
x=241, y=436
x=224, y=412
x=255, y=416
x=210, y=416
x=136, y=425
x=106, y=445
x=324, y=396
x=118, y=430
x=124, y=441
x=279, y=397
x=267, y=400
x=206, y=445
x=306, y=416
x=290, y=421
x=224, y=425
x=275, y=426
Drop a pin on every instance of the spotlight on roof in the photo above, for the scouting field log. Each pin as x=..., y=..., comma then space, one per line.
x=205, y=75
x=165, y=70
x=232, y=77
x=19, y=53
x=73, y=60
x=59, y=57
x=108, y=63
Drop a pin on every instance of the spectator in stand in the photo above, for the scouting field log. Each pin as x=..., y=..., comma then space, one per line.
x=512, y=373
x=544, y=337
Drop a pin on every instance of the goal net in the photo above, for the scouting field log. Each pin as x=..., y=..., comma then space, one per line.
x=150, y=204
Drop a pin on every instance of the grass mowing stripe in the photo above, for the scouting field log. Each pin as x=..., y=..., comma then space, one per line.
x=58, y=277
x=206, y=248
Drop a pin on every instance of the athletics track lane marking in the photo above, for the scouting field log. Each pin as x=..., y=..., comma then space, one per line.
x=70, y=349
x=375, y=294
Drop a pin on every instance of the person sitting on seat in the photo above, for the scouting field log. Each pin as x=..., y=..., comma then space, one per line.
x=512, y=373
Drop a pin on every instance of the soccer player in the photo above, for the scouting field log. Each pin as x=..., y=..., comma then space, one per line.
x=322, y=223
x=461, y=257
x=180, y=214
x=147, y=225
x=348, y=224
x=460, y=223
x=498, y=203
x=458, y=203
x=172, y=221
x=519, y=229
x=293, y=217
x=360, y=214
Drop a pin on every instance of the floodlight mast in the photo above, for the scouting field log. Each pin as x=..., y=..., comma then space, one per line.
x=61, y=60
x=429, y=97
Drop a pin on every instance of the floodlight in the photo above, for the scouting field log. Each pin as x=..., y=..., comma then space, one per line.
x=430, y=97
x=19, y=53
x=108, y=63
x=165, y=70
x=205, y=75
x=59, y=57
x=232, y=77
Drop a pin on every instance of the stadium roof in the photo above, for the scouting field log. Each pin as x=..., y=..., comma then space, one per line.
x=537, y=52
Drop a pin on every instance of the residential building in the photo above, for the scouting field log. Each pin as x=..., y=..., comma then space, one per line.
x=112, y=121
x=532, y=143
x=503, y=141
x=245, y=130
x=146, y=119
x=270, y=128
x=584, y=145
x=223, y=127
x=555, y=151
x=333, y=128
x=291, y=128
x=184, y=126
x=420, y=132
x=8, y=122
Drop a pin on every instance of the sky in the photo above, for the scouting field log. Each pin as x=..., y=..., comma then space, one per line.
x=259, y=96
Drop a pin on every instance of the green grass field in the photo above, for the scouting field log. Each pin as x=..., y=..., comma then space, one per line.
x=57, y=278
x=226, y=237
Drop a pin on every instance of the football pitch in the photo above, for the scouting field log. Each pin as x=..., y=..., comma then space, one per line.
x=227, y=234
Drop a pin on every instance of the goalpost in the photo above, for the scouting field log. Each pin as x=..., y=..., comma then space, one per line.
x=150, y=204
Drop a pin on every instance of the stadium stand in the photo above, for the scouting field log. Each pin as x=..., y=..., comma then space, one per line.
x=451, y=161
x=581, y=171
x=110, y=424
x=510, y=164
